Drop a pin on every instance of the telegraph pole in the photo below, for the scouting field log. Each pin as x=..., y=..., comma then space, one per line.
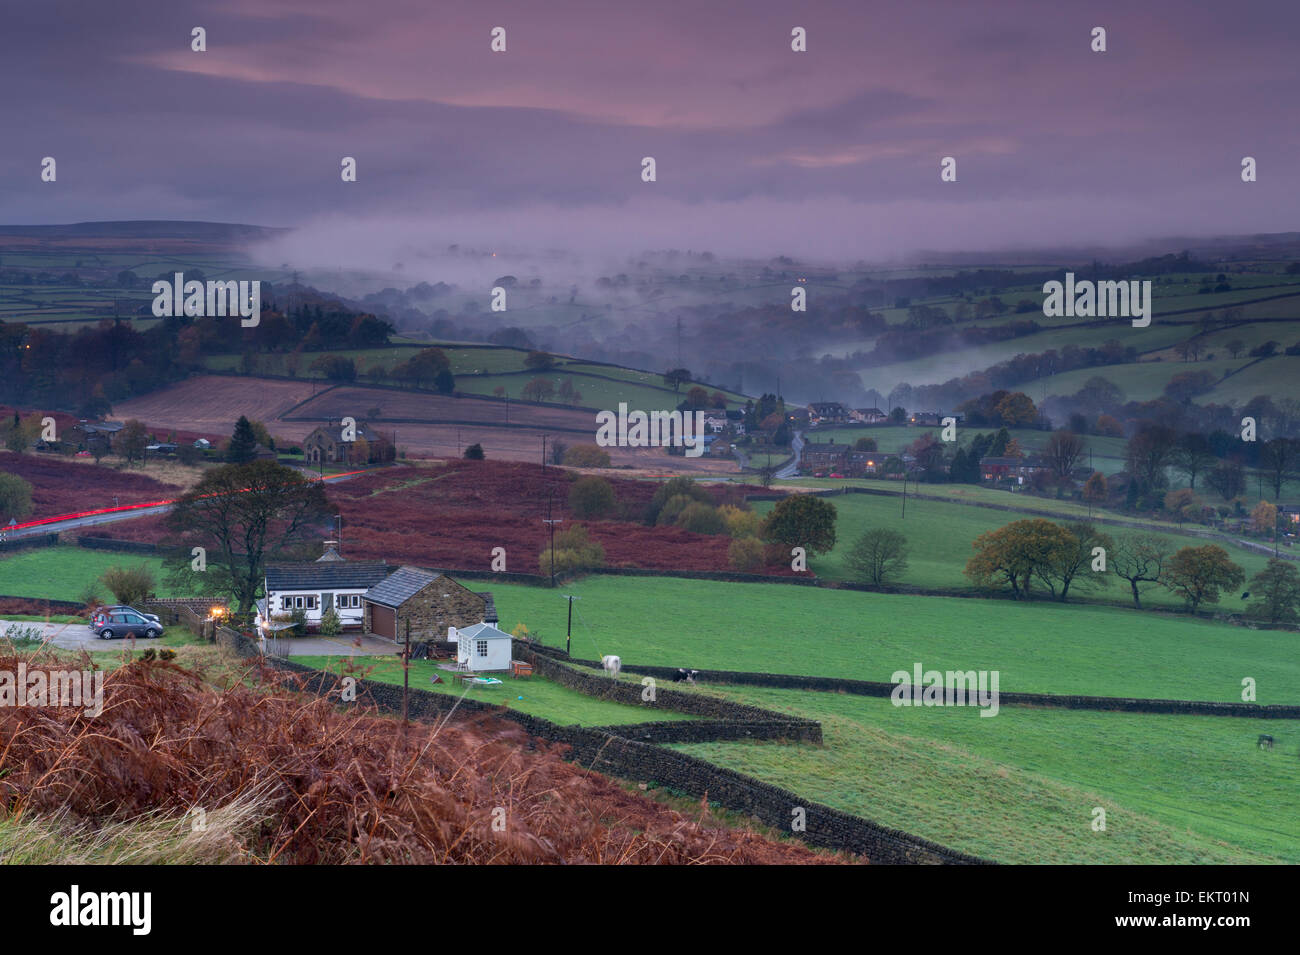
x=406, y=674
x=549, y=501
x=568, y=636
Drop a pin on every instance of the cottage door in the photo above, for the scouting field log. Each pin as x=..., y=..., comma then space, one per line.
x=326, y=602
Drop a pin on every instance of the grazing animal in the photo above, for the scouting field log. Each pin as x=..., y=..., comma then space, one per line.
x=1265, y=741
x=612, y=664
x=685, y=676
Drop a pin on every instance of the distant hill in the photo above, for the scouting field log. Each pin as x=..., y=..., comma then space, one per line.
x=148, y=228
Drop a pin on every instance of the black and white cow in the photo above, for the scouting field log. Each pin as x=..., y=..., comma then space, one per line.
x=685, y=676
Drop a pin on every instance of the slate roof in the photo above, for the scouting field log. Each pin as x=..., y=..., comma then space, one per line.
x=400, y=586
x=111, y=427
x=331, y=575
x=481, y=631
x=405, y=582
x=336, y=431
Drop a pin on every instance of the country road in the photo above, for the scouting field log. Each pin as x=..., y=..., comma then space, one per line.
x=124, y=513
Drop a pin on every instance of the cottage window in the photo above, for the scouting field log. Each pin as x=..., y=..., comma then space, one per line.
x=297, y=603
x=482, y=648
x=311, y=602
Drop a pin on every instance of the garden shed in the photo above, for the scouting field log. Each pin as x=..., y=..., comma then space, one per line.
x=483, y=647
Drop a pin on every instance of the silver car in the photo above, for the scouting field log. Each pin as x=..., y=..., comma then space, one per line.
x=111, y=622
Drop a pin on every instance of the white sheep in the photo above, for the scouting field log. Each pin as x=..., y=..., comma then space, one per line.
x=612, y=664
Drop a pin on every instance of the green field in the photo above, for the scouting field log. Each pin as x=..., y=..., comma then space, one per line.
x=1021, y=786
x=480, y=371
x=541, y=697
x=1275, y=377
x=1105, y=453
x=940, y=535
x=1037, y=647
x=64, y=572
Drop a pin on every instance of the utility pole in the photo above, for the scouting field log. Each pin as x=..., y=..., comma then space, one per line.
x=568, y=636
x=544, y=457
x=458, y=450
x=904, y=492
x=406, y=674
x=551, y=523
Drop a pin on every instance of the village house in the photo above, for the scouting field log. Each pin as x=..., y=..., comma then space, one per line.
x=826, y=457
x=431, y=604
x=833, y=458
x=326, y=444
x=827, y=412
x=1010, y=469
x=869, y=463
x=870, y=415
x=89, y=435
x=715, y=422
x=315, y=586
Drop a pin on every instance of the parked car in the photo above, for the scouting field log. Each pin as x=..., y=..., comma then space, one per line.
x=121, y=621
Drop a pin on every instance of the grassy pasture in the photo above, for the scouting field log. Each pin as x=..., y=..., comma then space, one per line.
x=1021, y=786
x=481, y=371
x=940, y=535
x=63, y=572
x=1107, y=452
x=1037, y=647
x=541, y=697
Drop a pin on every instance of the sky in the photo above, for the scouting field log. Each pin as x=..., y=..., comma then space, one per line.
x=834, y=152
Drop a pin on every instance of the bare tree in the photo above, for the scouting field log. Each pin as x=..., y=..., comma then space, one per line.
x=1139, y=559
x=1063, y=451
x=1278, y=460
x=1148, y=453
x=1193, y=456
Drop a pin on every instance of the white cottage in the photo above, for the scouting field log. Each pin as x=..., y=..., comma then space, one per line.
x=315, y=586
x=483, y=647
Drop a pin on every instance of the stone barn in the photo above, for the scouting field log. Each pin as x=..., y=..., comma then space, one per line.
x=431, y=602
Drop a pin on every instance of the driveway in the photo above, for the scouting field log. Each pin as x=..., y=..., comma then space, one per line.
x=68, y=636
x=78, y=636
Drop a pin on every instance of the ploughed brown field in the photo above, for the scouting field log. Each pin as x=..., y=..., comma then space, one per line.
x=211, y=404
x=451, y=514
x=425, y=425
